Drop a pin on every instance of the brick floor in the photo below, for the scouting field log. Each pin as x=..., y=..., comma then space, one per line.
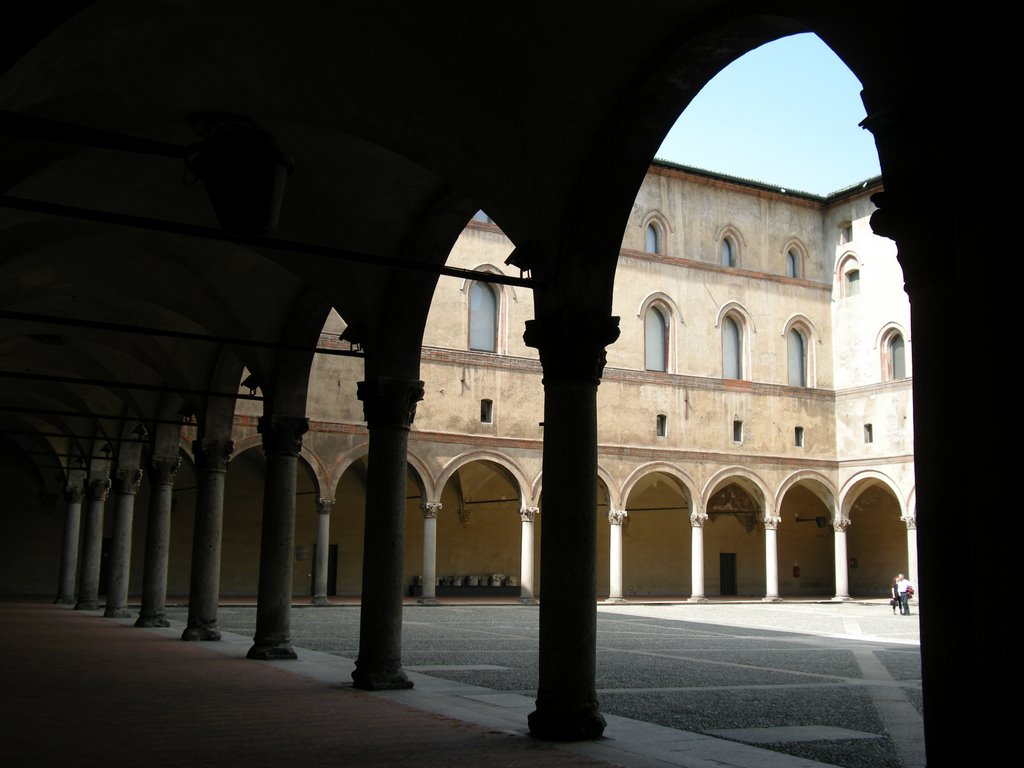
x=79, y=690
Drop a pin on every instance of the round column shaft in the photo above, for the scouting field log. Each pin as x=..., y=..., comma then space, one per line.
x=697, y=520
x=323, y=548
x=430, y=511
x=126, y=486
x=204, y=586
x=97, y=492
x=69, y=547
x=282, y=441
x=153, y=612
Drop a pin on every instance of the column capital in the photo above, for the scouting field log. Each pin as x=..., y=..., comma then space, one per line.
x=389, y=402
x=324, y=505
x=840, y=525
x=572, y=345
x=771, y=522
x=165, y=469
x=528, y=514
x=73, y=494
x=698, y=518
x=617, y=516
x=430, y=509
x=127, y=481
x=99, y=489
x=911, y=522
x=282, y=434
x=212, y=455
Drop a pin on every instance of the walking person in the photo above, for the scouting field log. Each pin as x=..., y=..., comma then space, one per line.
x=894, y=593
x=905, y=590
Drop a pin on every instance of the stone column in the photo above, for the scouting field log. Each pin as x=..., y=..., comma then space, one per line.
x=528, y=516
x=842, y=558
x=96, y=492
x=153, y=612
x=323, y=550
x=389, y=405
x=912, y=553
x=771, y=558
x=697, y=520
x=430, y=510
x=616, y=518
x=126, y=485
x=211, y=458
x=69, y=548
x=282, y=441
x=572, y=353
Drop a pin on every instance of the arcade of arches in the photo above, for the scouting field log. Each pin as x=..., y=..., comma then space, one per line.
x=248, y=226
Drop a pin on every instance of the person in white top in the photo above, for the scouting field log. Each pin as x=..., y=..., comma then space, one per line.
x=905, y=590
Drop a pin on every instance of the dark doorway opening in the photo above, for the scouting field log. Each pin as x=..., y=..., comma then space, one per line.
x=727, y=572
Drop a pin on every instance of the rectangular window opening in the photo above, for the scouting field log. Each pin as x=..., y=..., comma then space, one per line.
x=486, y=407
x=869, y=435
x=662, y=425
x=798, y=437
x=737, y=431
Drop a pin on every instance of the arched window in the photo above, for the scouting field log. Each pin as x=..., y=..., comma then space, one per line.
x=655, y=340
x=653, y=241
x=792, y=263
x=728, y=252
x=732, y=349
x=483, y=318
x=851, y=282
x=797, y=356
x=896, y=363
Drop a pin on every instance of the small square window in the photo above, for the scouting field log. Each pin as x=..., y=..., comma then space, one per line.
x=798, y=437
x=869, y=434
x=737, y=431
x=486, y=407
x=662, y=425
x=846, y=232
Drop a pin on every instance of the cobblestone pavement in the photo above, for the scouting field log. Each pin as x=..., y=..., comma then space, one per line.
x=745, y=684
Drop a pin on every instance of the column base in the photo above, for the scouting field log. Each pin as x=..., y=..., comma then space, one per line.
x=841, y=599
x=566, y=723
x=770, y=599
x=529, y=601
x=616, y=600
x=380, y=677
x=200, y=633
x=428, y=601
x=696, y=599
x=272, y=652
x=159, y=620
x=87, y=605
x=116, y=613
x=64, y=600
x=320, y=600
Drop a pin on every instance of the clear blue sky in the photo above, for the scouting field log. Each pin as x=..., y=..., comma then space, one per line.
x=787, y=114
